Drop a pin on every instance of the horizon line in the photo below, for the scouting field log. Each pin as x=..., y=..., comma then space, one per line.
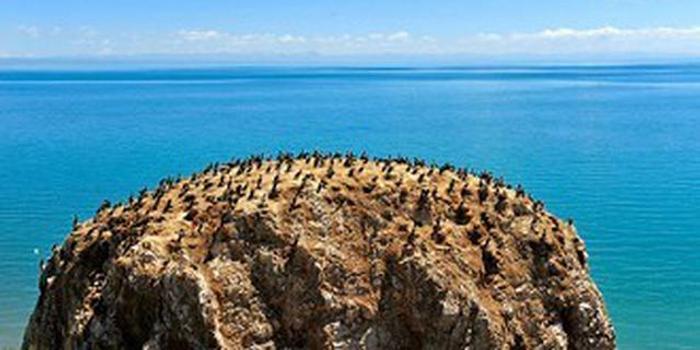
x=315, y=59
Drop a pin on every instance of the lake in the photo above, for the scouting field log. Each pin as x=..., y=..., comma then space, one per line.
x=617, y=148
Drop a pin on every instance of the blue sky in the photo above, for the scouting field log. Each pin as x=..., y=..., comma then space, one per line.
x=39, y=28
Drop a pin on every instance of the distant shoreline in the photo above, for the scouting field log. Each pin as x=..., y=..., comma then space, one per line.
x=326, y=61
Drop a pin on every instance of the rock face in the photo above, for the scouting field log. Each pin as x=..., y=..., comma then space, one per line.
x=316, y=251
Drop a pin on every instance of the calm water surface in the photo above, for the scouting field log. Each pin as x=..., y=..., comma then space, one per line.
x=616, y=148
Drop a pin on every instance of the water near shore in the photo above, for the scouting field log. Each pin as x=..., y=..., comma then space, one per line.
x=617, y=148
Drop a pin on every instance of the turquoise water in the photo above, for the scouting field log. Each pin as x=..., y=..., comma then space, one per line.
x=616, y=148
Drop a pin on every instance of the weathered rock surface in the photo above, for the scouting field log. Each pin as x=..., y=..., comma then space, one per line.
x=322, y=252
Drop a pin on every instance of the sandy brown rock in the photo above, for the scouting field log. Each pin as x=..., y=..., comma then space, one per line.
x=322, y=252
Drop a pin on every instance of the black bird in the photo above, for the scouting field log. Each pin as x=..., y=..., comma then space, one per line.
x=451, y=186
x=273, y=191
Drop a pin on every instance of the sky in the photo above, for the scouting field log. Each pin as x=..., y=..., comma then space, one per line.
x=583, y=28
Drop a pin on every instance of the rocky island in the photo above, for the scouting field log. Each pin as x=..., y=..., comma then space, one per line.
x=322, y=251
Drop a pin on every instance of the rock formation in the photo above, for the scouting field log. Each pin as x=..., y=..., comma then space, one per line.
x=322, y=251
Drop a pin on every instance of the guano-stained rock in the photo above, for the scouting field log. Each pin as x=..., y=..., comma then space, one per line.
x=322, y=251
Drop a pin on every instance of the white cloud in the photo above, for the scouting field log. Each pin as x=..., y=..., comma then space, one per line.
x=399, y=36
x=88, y=32
x=55, y=31
x=287, y=38
x=91, y=41
x=552, y=41
x=601, y=40
x=199, y=35
x=614, y=32
x=30, y=31
x=198, y=41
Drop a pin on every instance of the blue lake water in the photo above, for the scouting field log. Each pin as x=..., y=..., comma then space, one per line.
x=616, y=148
